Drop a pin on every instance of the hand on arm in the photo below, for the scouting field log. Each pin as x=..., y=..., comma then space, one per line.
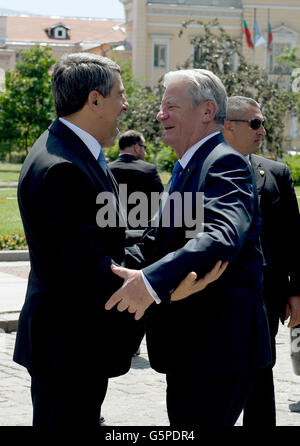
x=190, y=285
x=292, y=310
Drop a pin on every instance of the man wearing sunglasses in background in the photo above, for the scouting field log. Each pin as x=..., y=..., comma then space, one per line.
x=280, y=242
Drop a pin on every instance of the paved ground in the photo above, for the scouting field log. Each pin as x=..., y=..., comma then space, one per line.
x=136, y=399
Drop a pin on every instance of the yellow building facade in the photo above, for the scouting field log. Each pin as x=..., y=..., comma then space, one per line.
x=152, y=32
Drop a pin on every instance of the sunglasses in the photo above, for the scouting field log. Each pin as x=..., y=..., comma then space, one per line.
x=142, y=145
x=254, y=123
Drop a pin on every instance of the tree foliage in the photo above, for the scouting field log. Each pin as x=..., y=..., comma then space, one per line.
x=216, y=51
x=143, y=107
x=26, y=105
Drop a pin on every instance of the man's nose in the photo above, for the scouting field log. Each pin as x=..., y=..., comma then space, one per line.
x=262, y=130
x=125, y=105
x=161, y=115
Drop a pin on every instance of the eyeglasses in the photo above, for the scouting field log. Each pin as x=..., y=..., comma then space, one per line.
x=254, y=123
x=142, y=145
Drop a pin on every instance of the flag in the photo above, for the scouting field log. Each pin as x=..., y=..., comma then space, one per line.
x=247, y=35
x=258, y=38
x=270, y=38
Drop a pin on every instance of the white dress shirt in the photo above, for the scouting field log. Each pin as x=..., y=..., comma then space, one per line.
x=91, y=142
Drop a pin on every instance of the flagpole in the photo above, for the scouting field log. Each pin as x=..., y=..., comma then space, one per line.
x=242, y=34
x=254, y=35
x=267, y=45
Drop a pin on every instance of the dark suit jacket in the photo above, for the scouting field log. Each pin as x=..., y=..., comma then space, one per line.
x=63, y=324
x=223, y=329
x=139, y=176
x=280, y=235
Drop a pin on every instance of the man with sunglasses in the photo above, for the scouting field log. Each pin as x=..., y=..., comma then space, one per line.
x=131, y=170
x=244, y=131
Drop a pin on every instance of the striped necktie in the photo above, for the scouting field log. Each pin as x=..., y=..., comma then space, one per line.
x=175, y=174
x=101, y=161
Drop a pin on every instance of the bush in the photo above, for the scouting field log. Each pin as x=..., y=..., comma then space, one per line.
x=13, y=241
x=163, y=157
x=111, y=153
x=293, y=163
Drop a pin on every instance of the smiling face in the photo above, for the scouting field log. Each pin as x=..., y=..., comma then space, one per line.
x=241, y=136
x=111, y=108
x=181, y=121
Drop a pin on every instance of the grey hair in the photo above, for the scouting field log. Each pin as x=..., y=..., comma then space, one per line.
x=203, y=85
x=76, y=75
x=237, y=106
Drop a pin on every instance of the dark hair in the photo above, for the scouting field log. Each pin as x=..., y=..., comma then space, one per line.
x=76, y=75
x=129, y=138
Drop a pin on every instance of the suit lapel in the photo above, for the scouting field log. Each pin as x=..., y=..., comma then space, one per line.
x=197, y=160
x=259, y=173
x=77, y=148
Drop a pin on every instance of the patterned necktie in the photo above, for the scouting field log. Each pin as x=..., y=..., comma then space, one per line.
x=175, y=174
x=101, y=161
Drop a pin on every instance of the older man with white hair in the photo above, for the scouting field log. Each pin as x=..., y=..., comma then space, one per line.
x=211, y=344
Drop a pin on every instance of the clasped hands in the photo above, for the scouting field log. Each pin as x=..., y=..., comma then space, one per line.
x=134, y=296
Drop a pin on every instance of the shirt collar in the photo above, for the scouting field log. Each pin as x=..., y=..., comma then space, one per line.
x=91, y=142
x=190, y=152
x=248, y=158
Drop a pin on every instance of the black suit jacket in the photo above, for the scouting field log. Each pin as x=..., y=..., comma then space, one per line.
x=223, y=329
x=280, y=237
x=139, y=176
x=63, y=323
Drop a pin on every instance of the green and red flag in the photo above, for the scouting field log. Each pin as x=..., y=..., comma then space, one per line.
x=247, y=35
x=270, y=38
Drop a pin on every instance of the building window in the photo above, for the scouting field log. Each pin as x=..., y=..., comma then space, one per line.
x=197, y=55
x=60, y=33
x=294, y=127
x=160, y=55
x=275, y=66
x=284, y=38
x=2, y=79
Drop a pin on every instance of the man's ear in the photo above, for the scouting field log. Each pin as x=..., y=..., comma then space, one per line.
x=136, y=150
x=210, y=111
x=94, y=100
x=228, y=126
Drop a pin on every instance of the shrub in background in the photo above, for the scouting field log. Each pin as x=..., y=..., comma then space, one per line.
x=293, y=163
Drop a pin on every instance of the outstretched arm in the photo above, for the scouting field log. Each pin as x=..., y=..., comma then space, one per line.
x=134, y=296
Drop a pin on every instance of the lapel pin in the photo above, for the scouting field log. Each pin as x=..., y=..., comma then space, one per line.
x=262, y=172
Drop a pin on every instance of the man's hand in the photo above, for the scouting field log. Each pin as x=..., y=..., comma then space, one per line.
x=292, y=310
x=190, y=285
x=133, y=294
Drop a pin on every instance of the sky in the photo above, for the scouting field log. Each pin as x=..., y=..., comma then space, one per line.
x=112, y=9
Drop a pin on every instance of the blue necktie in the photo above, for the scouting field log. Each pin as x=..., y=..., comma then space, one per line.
x=101, y=161
x=175, y=174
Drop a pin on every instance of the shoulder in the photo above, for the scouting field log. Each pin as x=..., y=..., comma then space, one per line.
x=274, y=167
x=113, y=164
x=224, y=153
x=145, y=165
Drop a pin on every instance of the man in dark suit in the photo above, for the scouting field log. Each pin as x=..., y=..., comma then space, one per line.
x=212, y=344
x=131, y=170
x=67, y=341
x=244, y=131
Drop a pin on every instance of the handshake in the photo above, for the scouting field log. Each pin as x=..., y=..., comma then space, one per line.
x=134, y=296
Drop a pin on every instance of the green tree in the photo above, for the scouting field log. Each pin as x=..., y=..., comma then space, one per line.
x=144, y=106
x=26, y=105
x=215, y=50
x=289, y=57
